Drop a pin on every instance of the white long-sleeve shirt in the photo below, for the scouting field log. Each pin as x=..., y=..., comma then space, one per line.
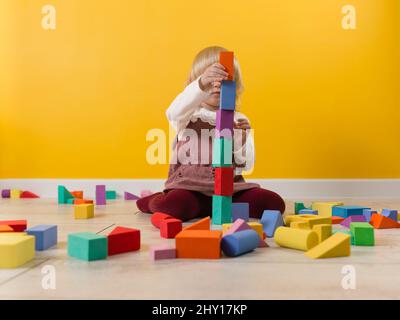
x=186, y=107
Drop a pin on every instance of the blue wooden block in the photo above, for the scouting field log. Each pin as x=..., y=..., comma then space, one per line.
x=368, y=214
x=392, y=214
x=228, y=95
x=222, y=152
x=45, y=236
x=346, y=211
x=308, y=211
x=271, y=220
x=240, y=242
x=240, y=210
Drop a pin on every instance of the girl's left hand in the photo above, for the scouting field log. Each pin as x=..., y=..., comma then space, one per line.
x=243, y=124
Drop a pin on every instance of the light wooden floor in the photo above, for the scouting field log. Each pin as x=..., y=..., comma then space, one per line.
x=267, y=273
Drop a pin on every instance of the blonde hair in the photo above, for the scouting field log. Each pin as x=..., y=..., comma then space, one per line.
x=206, y=58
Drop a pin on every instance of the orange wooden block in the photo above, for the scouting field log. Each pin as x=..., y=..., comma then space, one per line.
x=77, y=194
x=203, y=224
x=379, y=221
x=82, y=201
x=226, y=59
x=337, y=220
x=198, y=244
x=5, y=228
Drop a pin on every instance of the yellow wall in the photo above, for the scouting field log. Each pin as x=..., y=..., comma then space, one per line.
x=77, y=102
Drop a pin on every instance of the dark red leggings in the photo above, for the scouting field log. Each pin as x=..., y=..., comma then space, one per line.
x=186, y=204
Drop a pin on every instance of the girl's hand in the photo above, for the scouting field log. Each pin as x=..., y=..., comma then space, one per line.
x=243, y=124
x=213, y=76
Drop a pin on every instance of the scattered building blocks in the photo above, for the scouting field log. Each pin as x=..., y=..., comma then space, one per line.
x=271, y=219
x=300, y=225
x=101, y=195
x=308, y=211
x=367, y=213
x=6, y=193
x=392, y=214
x=203, y=224
x=240, y=210
x=347, y=211
x=345, y=231
x=158, y=217
x=238, y=243
x=169, y=228
x=325, y=208
x=337, y=220
x=45, y=236
x=222, y=152
x=77, y=194
x=299, y=206
x=226, y=58
x=379, y=221
x=240, y=225
x=363, y=234
x=87, y=246
x=6, y=228
x=122, y=240
x=28, y=195
x=227, y=99
x=221, y=209
x=199, y=244
x=15, y=193
x=324, y=231
x=338, y=245
x=294, y=238
x=346, y=222
x=16, y=225
x=63, y=195
x=130, y=196
x=145, y=193
x=310, y=218
x=224, y=124
x=16, y=249
x=84, y=211
x=223, y=181
x=111, y=195
x=161, y=252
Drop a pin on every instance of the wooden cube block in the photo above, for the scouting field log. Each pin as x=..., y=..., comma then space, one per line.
x=363, y=234
x=45, y=236
x=221, y=209
x=87, y=246
x=224, y=124
x=111, y=195
x=16, y=249
x=227, y=99
x=198, y=244
x=84, y=211
x=226, y=58
x=122, y=240
x=15, y=194
x=169, y=228
x=240, y=210
x=223, y=182
x=222, y=152
x=158, y=217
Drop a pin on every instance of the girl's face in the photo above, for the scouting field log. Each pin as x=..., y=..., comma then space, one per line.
x=213, y=99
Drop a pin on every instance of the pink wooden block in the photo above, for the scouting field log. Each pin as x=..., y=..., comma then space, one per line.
x=240, y=225
x=130, y=196
x=145, y=193
x=346, y=222
x=162, y=252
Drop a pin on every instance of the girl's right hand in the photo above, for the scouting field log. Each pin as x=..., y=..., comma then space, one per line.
x=212, y=76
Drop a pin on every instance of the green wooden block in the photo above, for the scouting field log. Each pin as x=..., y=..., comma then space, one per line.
x=70, y=201
x=363, y=233
x=222, y=152
x=87, y=246
x=111, y=195
x=64, y=195
x=221, y=209
x=345, y=232
x=299, y=206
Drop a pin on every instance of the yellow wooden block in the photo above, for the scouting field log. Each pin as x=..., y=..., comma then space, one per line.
x=15, y=193
x=16, y=250
x=84, y=211
x=294, y=238
x=324, y=231
x=338, y=245
x=325, y=208
x=13, y=234
x=256, y=226
x=300, y=224
x=311, y=219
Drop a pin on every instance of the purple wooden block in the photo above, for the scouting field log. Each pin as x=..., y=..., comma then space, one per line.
x=162, y=252
x=5, y=193
x=224, y=124
x=346, y=222
x=130, y=196
x=101, y=195
x=392, y=214
x=240, y=210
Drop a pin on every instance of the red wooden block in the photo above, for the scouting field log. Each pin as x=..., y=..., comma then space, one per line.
x=82, y=201
x=28, y=194
x=169, y=228
x=223, y=185
x=379, y=221
x=16, y=225
x=158, y=217
x=337, y=220
x=122, y=240
x=227, y=60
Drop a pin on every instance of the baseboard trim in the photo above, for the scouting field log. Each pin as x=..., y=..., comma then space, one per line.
x=288, y=188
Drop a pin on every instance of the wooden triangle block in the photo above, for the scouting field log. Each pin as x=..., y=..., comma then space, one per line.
x=6, y=228
x=337, y=245
x=122, y=240
x=203, y=224
x=28, y=194
x=16, y=225
x=130, y=196
x=337, y=220
x=379, y=221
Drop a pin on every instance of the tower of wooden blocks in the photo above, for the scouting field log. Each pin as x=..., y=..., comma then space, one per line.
x=222, y=146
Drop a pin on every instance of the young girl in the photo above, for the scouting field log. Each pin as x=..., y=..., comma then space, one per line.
x=190, y=185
